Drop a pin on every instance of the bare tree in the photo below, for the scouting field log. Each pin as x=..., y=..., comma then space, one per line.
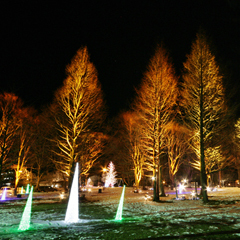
x=80, y=108
x=133, y=144
x=41, y=147
x=24, y=140
x=236, y=141
x=9, y=104
x=177, y=145
x=155, y=103
x=91, y=150
x=203, y=100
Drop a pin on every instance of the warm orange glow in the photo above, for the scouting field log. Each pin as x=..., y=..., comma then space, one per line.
x=155, y=102
x=81, y=103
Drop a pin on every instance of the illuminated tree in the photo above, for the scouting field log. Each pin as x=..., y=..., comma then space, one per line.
x=91, y=149
x=24, y=140
x=133, y=144
x=203, y=100
x=78, y=106
x=110, y=175
x=41, y=148
x=237, y=144
x=154, y=104
x=9, y=104
x=177, y=145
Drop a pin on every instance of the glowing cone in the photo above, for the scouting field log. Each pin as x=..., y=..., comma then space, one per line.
x=120, y=206
x=4, y=194
x=73, y=208
x=26, y=217
x=27, y=191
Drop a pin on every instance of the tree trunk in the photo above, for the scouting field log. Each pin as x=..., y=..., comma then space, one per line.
x=195, y=187
x=162, y=192
x=239, y=177
x=203, y=176
x=155, y=190
x=220, y=178
x=143, y=182
x=176, y=188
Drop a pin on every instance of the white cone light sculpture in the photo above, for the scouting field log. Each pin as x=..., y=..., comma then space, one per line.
x=120, y=206
x=73, y=202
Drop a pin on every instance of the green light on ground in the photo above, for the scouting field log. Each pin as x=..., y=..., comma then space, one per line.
x=25, y=221
x=120, y=206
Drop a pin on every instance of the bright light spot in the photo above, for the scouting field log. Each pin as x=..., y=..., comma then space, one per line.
x=25, y=221
x=62, y=195
x=73, y=208
x=4, y=194
x=146, y=197
x=181, y=188
x=208, y=189
x=120, y=206
x=193, y=194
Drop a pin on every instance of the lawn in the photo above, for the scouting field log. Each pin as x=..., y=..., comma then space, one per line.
x=142, y=219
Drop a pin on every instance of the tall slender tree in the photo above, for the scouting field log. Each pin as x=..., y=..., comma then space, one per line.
x=203, y=100
x=155, y=102
x=23, y=142
x=133, y=144
x=80, y=109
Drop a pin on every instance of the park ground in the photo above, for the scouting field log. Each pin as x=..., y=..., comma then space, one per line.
x=142, y=218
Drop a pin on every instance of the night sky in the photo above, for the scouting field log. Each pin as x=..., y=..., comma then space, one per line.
x=39, y=38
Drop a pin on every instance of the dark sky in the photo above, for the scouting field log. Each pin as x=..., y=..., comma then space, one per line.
x=39, y=38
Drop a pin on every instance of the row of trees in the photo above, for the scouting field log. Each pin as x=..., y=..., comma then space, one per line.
x=175, y=119
x=66, y=132
x=171, y=119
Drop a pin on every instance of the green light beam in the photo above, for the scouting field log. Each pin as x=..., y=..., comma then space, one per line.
x=27, y=190
x=26, y=217
x=120, y=206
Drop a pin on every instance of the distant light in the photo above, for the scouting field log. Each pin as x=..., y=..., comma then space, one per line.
x=4, y=194
x=181, y=188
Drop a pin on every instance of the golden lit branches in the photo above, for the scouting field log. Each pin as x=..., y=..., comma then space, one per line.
x=155, y=102
x=80, y=109
x=203, y=100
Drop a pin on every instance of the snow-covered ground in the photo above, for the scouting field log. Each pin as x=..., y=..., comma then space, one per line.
x=167, y=219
